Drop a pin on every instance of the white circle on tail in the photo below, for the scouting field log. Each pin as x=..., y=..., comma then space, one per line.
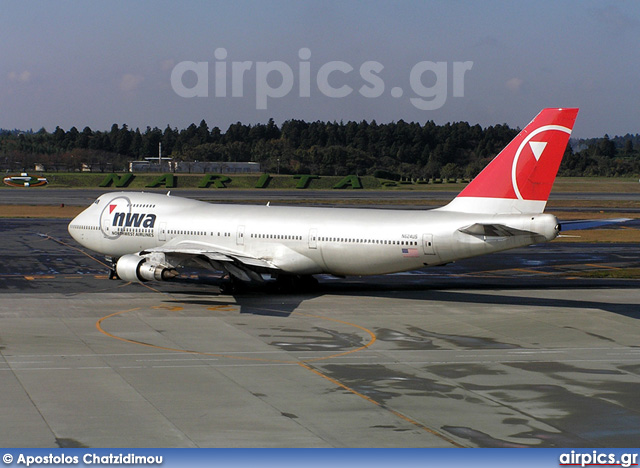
x=537, y=147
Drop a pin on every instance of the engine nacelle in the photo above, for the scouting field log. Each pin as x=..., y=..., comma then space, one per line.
x=136, y=268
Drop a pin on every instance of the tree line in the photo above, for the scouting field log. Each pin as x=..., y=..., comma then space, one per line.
x=397, y=149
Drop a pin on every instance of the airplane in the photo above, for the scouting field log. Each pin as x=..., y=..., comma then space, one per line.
x=148, y=236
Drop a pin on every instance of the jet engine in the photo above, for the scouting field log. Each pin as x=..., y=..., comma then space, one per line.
x=136, y=268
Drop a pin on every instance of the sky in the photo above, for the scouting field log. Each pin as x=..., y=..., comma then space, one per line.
x=159, y=63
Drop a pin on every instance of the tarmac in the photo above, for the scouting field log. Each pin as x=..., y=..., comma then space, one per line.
x=509, y=350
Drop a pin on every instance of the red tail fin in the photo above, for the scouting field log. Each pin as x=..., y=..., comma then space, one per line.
x=520, y=178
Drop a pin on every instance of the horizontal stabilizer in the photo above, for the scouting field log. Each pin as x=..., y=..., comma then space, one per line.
x=578, y=225
x=494, y=230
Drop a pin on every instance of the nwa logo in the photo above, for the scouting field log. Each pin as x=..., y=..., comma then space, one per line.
x=133, y=219
x=533, y=181
x=117, y=216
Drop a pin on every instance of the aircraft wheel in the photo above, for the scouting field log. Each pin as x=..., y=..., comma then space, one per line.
x=296, y=283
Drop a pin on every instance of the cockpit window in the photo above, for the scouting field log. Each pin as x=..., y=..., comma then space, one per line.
x=96, y=202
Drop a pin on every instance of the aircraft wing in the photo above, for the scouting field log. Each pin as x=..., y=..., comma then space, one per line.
x=589, y=223
x=239, y=264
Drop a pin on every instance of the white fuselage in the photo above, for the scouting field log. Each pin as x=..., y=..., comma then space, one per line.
x=299, y=240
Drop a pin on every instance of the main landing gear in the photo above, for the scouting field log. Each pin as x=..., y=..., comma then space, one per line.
x=296, y=283
x=282, y=284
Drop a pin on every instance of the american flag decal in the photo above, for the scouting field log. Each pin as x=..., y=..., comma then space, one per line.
x=409, y=252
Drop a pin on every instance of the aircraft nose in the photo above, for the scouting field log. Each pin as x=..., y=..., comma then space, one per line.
x=79, y=226
x=74, y=227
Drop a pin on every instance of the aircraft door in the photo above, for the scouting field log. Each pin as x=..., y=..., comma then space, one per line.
x=427, y=244
x=162, y=232
x=105, y=222
x=313, y=238
x=240, y=236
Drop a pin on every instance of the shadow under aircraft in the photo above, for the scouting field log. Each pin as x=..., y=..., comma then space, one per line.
x=271, y=300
